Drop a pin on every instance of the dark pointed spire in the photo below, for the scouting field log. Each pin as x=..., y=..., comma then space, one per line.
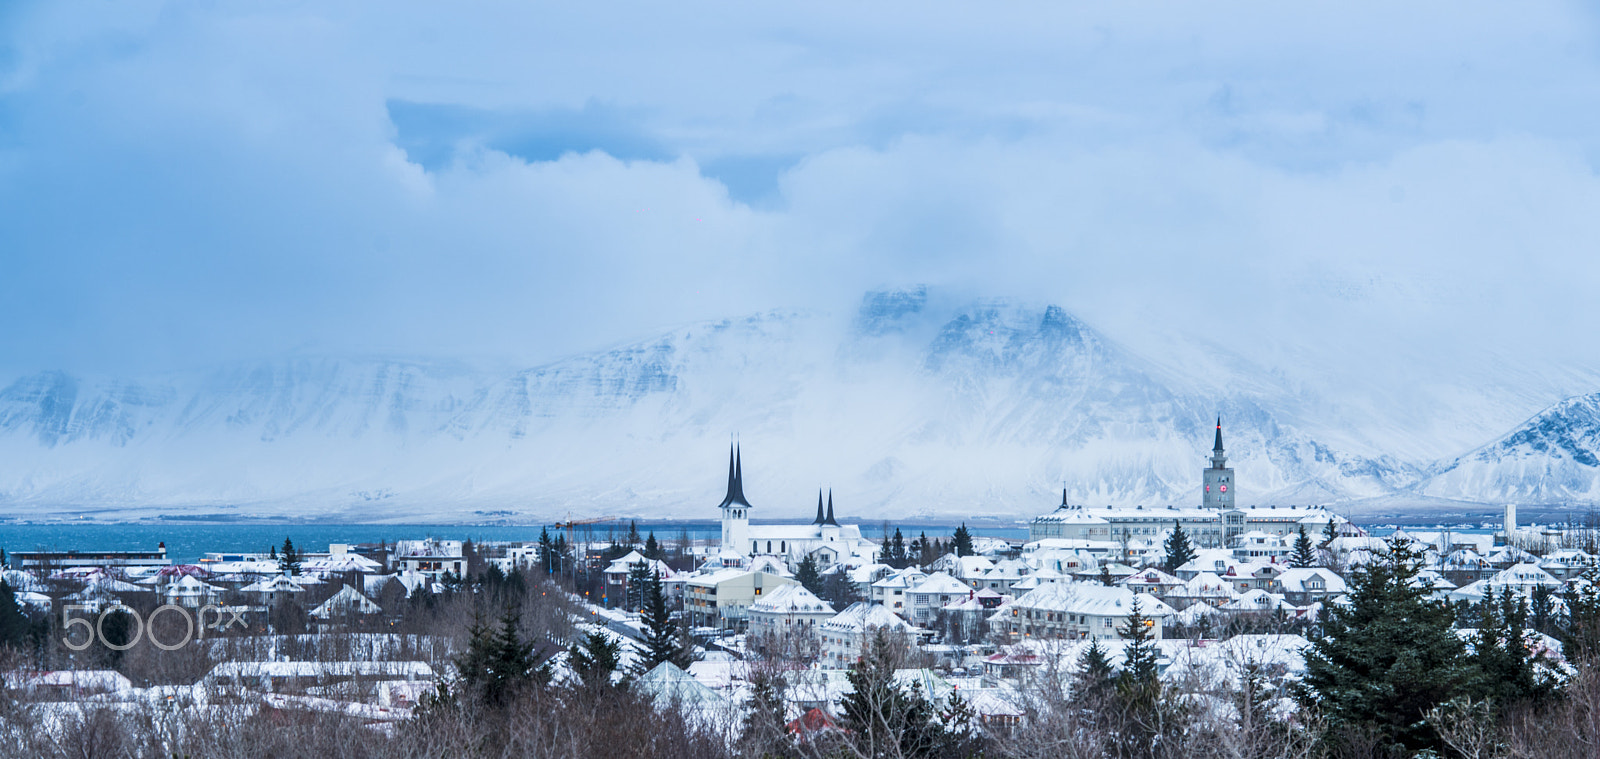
x=829, y=520
x=1218, y=446
x=1063, y=496
x=735, y=478
x=818, y=520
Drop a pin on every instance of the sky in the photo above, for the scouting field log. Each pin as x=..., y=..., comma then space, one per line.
x=1381, y=189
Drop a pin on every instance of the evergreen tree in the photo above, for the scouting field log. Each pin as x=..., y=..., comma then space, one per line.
x=1542, y=609
x=1580, y=635
x=652, y=549
x=1305, y=554
x=1179, y=550
x=895, y=551
x=562, y=552
x=633, y=533
x=1389, y=657
x=838, y=590
x=961, y=543
x=289, y=559
x=1506, y=675
x=885, y=719
x=1095, y=674
x=595, y=658
x=661, y=640
x=1330, y=532
x=1105, y=577
x=1140, y=656
x=14, y=624
x=638, y=580
x=808, y=576
x=764, y=727
x=547, y=550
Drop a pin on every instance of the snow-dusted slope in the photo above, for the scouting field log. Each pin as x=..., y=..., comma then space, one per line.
x=1550, y=459
x=915, y=405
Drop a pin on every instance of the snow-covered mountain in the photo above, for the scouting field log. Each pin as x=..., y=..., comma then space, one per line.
x=1552, y=458
x=918, y=404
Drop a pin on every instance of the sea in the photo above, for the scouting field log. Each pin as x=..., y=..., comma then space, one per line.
x=187, y=543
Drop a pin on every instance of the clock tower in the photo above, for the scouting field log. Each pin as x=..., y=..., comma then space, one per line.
x=1218, y=477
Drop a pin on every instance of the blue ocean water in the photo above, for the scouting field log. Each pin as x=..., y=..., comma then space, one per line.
x=187, y=543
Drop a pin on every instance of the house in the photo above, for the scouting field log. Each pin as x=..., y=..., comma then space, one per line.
x=723, y=598
x=845, y=633
x=1076, y=611
x=1151, y=580
x=1257, y=545
x=790, y=611
x=345, y=604
x=276, y=588
x=890, y=592
x=932, y=593
x=964, y=568
x=431, y=556
x=1520, y=579
x=616, y=575
x=189, y=592
x=1305, y=586
x=1204, y=588
x=1002, y=576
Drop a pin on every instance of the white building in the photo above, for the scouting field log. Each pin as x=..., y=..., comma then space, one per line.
x=790, y=611
x=1076, y=611
x=431, y=557
x=348, y=602
x=826, y=541
x=844, y=635
x=924, y=601
x=1214, y=524
x=890, y=592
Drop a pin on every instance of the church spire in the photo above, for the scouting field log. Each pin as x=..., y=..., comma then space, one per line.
x=818, y=520
x=829, y=520
x=735, y=479
x=1218, y=446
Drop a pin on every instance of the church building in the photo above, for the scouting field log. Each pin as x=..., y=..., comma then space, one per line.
x=824, y=539
x=1215, y=523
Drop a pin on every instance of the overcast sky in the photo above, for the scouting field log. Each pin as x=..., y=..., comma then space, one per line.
x=188, y=182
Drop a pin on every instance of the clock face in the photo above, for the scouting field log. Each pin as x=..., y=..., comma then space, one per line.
x=1208, y=488
x=1224, y=488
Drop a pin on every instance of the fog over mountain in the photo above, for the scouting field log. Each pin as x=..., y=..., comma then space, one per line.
x=918, y=404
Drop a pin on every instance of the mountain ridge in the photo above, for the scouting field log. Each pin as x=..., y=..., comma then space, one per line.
x=917, y=404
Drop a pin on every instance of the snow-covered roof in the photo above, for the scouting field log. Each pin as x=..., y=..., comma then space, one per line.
x=790, y=599
x=670, y=686
x=1258, y=600
x=1294, y=580
x=862, y=616
x=940, y=583
x=1089, y=598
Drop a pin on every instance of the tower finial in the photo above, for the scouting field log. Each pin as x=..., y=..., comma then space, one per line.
x=1218, y=446
x=830, y=520
x=818, y=520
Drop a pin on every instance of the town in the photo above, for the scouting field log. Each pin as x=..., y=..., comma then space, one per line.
x=797, y=639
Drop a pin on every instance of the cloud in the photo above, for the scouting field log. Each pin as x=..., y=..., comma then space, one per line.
x=1322, y=186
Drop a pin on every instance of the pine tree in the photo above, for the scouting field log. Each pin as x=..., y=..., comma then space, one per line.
x=1095, y=674
x=838, y=590
x=595, y=658
x=1506, y=675
x=897, y=551
x=1105, y=577
x=633, y=533
x=1580, y=635
x=547, y=549
x=1330, y=532
x=661, y=640
x=808, y=576
x=961, y=543
x=1140, y=656
x=884, y=718
x=1385, y=660
x=1179, y=550
x=637, y=582
x=289, y=558
x=764, y=727
x=1305, y=554
x=14, y=624
x=652, y=549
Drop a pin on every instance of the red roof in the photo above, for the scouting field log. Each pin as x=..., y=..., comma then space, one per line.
x=813, y=720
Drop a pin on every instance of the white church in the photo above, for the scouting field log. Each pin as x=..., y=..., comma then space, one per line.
x=827, y=541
